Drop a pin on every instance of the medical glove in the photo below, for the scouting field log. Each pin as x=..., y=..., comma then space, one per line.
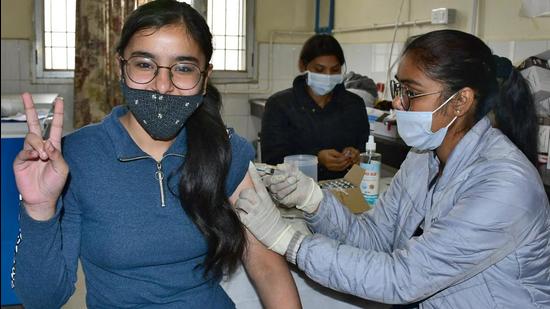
x=291, y=187
x=259, y=214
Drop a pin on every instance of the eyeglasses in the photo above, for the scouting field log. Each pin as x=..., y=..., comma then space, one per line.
x=405, y=94
x=142, y=70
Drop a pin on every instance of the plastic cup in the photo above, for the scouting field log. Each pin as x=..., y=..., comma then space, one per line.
x=307, y=164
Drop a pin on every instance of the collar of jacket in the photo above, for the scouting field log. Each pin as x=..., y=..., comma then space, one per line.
x=126, y=148
x=465, y=152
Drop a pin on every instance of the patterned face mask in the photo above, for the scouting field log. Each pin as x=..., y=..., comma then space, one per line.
x=161, y=115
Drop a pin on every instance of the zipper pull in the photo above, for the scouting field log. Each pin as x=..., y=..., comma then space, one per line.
x=159, y=175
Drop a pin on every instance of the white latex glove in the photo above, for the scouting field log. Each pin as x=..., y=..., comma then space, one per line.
x=259, y=214
x=290, y=187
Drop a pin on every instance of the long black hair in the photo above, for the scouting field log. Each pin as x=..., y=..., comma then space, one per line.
x=458, y=60
x=203, y=178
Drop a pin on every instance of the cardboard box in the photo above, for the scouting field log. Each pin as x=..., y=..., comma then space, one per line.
x=350, y=195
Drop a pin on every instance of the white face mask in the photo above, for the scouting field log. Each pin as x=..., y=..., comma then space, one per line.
x=415, y=128
x=322, y=84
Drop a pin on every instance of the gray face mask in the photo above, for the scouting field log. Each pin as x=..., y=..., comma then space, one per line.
x=161, y=115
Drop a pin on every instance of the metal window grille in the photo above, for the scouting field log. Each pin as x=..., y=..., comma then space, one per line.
x=227, y=21
x=59, y=34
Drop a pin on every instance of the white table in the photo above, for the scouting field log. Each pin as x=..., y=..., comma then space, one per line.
x=312, y=295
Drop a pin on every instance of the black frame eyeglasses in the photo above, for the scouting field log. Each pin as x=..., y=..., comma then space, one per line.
x=405, y=95
x=142, y=70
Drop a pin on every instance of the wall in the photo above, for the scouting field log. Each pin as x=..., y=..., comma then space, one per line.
x=17, y=34
x=367, y=52
x=17, y=19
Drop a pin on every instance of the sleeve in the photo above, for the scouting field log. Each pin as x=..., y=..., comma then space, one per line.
x=276, y=143
x=46, y=258
x=374, y=229
x=241, y=154
x=488, y=221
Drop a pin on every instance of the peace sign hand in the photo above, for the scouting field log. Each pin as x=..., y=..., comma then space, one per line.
x=40, y=170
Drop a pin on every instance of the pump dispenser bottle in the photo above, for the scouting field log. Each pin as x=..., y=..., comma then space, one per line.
x=371, y=162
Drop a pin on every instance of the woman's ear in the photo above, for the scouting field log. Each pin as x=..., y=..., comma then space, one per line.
x=118, y=59
x=464, y=101
x=301, y=66
x=207, y=75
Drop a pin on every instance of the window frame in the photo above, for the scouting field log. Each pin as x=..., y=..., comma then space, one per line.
x=39, y=74
x=251, y=72
x=42, y=76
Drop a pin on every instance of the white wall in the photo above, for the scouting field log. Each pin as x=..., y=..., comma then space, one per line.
x=16, y=76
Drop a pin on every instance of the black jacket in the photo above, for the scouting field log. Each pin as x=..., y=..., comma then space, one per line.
x=294, y=124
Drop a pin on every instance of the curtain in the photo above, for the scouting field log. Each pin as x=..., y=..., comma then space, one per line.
x=96, y=80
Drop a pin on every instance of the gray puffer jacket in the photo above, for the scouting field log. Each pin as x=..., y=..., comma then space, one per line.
x=485, y=240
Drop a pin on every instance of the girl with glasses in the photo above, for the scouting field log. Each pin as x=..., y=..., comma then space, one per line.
x=144, y=198
x=465, y=222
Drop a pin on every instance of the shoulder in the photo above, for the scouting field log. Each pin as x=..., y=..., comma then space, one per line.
x=351, y=99
x=280, y=97
x=239, y=145
x=503, y=179
x=83, y=140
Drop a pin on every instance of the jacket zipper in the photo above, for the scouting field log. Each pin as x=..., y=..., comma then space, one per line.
x=159, y=175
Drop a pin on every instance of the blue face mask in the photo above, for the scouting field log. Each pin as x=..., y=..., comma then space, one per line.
x=322, y=84
x=415, y=128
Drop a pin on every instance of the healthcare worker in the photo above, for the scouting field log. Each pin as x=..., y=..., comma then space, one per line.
x=144, y=198
x=465, y=222
x=317, y=116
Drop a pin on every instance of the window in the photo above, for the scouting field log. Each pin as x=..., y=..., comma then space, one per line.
x=231, y=23
x=54, y=46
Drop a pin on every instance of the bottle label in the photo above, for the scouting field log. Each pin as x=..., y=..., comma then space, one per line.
x=370, y=182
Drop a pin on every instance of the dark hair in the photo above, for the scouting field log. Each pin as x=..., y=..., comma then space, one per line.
x=458, y=60
x=202, y=185
x=321, y=45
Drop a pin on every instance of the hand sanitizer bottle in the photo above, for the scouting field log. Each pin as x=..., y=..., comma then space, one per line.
x=371, y=162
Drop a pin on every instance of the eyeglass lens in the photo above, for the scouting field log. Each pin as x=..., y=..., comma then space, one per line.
x=397, y=90
x=184, y=75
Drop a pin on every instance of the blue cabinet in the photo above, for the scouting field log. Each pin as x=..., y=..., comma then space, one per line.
x=10, y=214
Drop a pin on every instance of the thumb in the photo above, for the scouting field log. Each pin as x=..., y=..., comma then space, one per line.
x=257, y=181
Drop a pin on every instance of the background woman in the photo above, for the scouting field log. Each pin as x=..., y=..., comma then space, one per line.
x=317, y=116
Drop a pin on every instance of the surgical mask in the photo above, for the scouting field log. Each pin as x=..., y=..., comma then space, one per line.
x=161, y=115
x=415, y=128
x=322, y=84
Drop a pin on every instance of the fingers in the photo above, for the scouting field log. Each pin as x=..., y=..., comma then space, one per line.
x=36, y=143
x=257, y=181
x=30, y=112
x=282, y=192
x=245, y=204
x=26, y=155
x=54, y=154
x=56, y=130
x=249, y=195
